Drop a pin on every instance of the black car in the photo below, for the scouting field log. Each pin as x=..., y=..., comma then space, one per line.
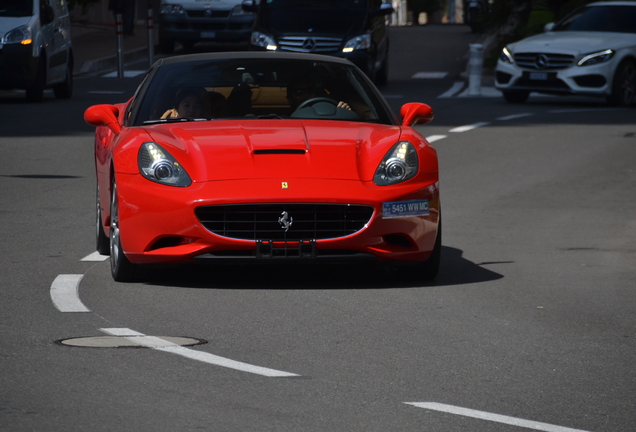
x=352, y=29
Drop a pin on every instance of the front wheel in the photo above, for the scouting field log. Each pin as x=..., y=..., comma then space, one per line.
x=624, y=85
x=65, y=89
x=121, y=269
x=103, y=242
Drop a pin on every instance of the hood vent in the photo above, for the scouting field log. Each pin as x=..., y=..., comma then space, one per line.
x=280, y=152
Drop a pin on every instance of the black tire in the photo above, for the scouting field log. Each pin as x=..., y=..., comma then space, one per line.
x=624, y=84
x=121, y=269
x=102, y=241
x=35, y=93
x=516, y=96
x=425, y=271
x=65, y=89
x=430, y=268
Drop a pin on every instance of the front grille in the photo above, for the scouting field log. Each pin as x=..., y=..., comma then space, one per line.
x=261, y=221
x=309, y=44
x=208, y=13
x=543, y=60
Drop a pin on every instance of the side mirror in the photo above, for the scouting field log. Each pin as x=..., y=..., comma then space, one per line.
x=548, y=27
x=415, y=113
x=103, y=115
x=249, y=5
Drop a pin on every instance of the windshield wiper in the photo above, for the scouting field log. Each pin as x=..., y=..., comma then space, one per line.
x=175, y=120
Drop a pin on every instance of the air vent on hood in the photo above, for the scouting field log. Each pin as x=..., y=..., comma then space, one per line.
x=279, y=151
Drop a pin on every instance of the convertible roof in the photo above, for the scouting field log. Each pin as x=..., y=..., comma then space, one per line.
x=252, y=55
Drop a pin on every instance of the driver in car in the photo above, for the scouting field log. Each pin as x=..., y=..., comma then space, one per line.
x=302, y=88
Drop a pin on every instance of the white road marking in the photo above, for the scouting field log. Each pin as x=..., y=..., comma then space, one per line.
x=482, y=415
x=95, y=256
x=430, y=75
x=433, y=138
x=514, y=116
x=575, y=110
x=452, y=91
x=64, y=294
x=127, y=74
x=469, y=127
x=489, y=92
x=166, y=346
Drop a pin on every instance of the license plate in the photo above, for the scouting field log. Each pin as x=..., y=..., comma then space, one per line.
x=208, y=35
x=398, y=209
x=539, y=76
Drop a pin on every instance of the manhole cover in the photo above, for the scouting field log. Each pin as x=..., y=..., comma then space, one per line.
x=123, y=342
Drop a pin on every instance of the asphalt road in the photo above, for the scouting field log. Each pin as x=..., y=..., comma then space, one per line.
x=530, y=326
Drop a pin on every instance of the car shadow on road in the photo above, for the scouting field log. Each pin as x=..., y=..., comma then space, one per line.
x=454, y=270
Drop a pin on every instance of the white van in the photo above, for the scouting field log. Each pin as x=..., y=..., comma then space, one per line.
x=35, y=47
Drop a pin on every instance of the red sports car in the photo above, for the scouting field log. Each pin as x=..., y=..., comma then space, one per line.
x=263, y=156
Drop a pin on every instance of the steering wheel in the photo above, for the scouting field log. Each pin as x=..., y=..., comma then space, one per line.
x=314, y=101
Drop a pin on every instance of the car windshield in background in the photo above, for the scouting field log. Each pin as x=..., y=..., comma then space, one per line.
x=318, y=3
x=260, y=88
x=617, y=19
x=16, y=8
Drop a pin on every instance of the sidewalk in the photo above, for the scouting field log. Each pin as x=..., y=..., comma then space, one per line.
x=95, y=48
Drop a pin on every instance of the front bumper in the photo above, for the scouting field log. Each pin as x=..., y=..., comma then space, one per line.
x=158, y=223
x=185, y=29
x=18, y=67
x=595, y=80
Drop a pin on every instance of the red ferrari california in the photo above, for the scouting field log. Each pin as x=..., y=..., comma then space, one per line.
x=263, y=156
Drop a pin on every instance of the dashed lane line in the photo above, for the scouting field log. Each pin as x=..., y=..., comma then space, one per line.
x=514, y=116
x=64, y=293
x=466, y=128
x=164, y=345
x=95, y=257
x=482, y=415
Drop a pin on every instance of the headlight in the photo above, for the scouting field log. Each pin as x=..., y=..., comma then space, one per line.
x=238, y=10
x=262, y=40
x=505, y=56
x=159, y=166
x=399, y=164
x=21, y=35
x=596, y=58
x=358, y=42
x=172, y=9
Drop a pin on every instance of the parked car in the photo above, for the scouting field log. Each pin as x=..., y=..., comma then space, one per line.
x=192, y=21
x=351, y=29
x=264, y=156
x=592, y=52
x=35, y=47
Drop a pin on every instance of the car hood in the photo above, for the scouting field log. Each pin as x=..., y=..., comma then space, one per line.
x=265, y=149
x=200, y=5
x=9, y=23
x=314, y=20
x=573, y=42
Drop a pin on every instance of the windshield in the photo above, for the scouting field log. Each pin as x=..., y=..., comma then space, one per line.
x=16, y=8
x=254, y=88
x=619, y=19
x=357, y=4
